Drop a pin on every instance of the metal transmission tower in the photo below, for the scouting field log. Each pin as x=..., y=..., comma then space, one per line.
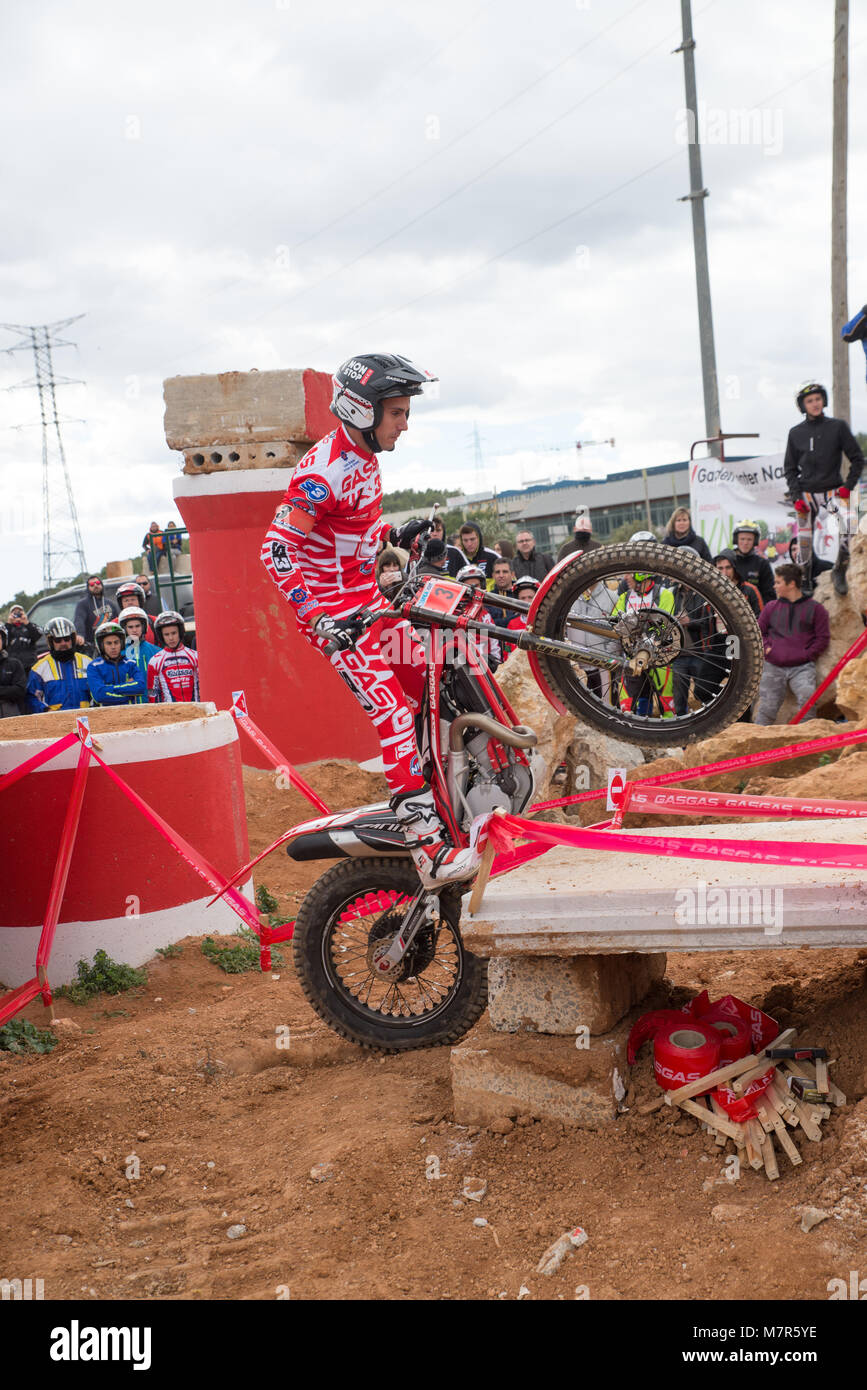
x=62, y=550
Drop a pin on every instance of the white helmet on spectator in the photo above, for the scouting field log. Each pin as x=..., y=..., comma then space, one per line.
x=470, y=572
x=125, y=614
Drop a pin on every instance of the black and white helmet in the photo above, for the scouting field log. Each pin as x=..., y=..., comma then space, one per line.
x=58, y=627
x=168, y=619
x=525, y=581
x=810, y=388
x=362, y=383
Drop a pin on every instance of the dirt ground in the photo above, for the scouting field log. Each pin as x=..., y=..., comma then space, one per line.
x=186, y=1076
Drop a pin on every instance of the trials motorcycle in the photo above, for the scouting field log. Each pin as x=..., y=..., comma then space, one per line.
x=380, y=958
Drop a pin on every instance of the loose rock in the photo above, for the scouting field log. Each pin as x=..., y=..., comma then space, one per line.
x=474, y=1189
x=564, y=1246
x=502, y=1125
x=812, y=1216
x=321, y=1172
x=235, y=1232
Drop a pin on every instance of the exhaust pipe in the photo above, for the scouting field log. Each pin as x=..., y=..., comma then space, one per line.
x=519, y=737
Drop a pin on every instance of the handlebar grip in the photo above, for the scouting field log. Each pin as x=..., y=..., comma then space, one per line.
x=331, y=647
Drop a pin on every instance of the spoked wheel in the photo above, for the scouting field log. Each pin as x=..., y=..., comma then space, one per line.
x=350, y=916
x=689, y=649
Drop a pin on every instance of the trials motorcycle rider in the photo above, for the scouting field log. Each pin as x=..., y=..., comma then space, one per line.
x=320, y=551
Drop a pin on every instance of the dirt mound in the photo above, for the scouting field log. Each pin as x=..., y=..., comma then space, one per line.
x=56, y=723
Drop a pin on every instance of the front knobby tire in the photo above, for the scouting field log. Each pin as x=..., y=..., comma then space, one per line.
x=611, y=562
x=355, y=902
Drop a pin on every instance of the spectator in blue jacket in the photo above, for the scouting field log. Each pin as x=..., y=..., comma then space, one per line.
x=58, y=680
x=138, y=649
x=111, y=678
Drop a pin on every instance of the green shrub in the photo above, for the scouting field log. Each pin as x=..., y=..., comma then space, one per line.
x=105, y=976
x=22, y=1036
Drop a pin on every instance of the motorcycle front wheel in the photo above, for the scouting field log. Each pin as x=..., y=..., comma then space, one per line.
x=692, y=626
x=438, y=991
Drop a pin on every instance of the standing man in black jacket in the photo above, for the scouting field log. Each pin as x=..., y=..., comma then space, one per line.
x=90, y=611
x=750, y=565
x=813, y=466
x=530, y=562
x=13, y=681
x=23, y=637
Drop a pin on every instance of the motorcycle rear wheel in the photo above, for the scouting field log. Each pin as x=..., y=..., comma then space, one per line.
x=611, y=562
x=356, y=904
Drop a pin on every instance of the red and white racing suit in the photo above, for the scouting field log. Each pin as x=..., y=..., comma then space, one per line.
x=173, y=676
x=320, y=551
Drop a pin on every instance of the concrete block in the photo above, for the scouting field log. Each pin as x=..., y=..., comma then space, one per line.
x=219, y=458
x=547, y=994
x=246, y=408
x=548, y=1078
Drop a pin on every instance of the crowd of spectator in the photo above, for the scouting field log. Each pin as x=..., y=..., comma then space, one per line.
x=123, y=652
x=794, y=627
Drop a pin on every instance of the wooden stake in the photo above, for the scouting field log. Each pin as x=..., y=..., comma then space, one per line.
x=755, y=1139
x=482, y=877
x=806, y=1068
x=807, y=1123
x=782, y=1133
x=724, y=1125
x=718, y=1110
x=770, y=1158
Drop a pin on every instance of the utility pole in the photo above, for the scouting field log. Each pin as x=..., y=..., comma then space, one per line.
x=696, y=196
x=62, y=550
x=839, y=264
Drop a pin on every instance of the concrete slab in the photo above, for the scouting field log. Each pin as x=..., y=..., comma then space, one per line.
x=552, y=994
x=571, y=902
x=503, y=1076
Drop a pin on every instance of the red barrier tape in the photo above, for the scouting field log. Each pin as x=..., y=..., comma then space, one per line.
x=214, y=879
x=37, y=760
x=272, y=753
x=19, y=999
x=685, y=803
x=770, y=755
x=61, y=867
x=855, y=650
x=502, y=829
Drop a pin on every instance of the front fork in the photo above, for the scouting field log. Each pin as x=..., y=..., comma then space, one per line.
x=423, y=909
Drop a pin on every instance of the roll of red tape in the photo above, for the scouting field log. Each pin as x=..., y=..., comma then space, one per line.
x=735, y=1039
x=685, y=1052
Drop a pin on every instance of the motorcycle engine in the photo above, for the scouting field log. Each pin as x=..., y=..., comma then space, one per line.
x=509, y=788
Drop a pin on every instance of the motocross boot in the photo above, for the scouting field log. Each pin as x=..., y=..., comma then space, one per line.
x=838, y=573
x=436, y=861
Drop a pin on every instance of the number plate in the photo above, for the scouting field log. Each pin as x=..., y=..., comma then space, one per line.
x=441, y=596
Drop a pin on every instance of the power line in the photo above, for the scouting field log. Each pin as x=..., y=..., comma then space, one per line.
x=62, y=550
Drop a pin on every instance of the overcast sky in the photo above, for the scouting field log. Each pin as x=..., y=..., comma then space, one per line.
x=490, y=189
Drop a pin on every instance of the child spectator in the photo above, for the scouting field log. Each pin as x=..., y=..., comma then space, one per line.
x=23, y=637
x=173, y=674
x=389, y=572
x=796, y=631
x=138, y=649
x=525, y=590
x=58, y=680
x=111, y=678
x=132, y=595
x=13, y=681
x=473, y=576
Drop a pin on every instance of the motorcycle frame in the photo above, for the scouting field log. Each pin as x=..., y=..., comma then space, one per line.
x=499, y=708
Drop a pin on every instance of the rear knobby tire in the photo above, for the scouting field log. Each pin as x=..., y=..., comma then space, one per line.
x=312, y=943
x=669, y=562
